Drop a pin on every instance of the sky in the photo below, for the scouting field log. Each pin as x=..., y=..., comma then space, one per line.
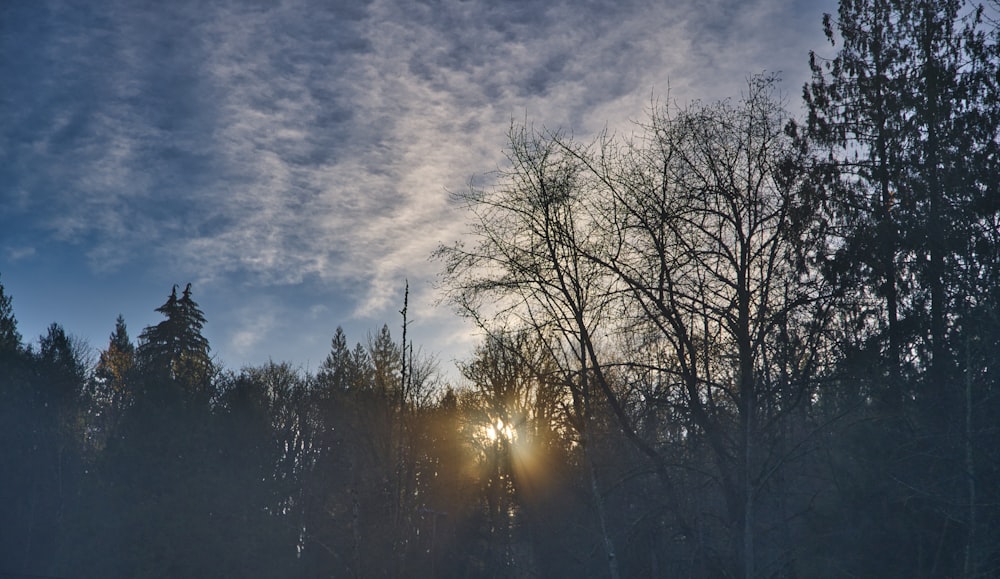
x=294, y=159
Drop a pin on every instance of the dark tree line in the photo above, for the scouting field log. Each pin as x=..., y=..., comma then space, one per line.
x=734, y=344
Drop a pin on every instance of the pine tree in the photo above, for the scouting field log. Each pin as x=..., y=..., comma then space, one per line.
x=335, y=372
x=10, y=339
x=119, y=358
x=60, y=368
x=907, y=111
x=115, y=372
x=19, y=428
x=175, y=350
x=165, y=445
x=120, y=340
x=856, y=102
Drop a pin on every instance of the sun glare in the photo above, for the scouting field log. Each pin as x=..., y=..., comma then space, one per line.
x=499, y=430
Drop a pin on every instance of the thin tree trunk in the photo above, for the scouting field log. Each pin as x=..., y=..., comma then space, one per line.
x=748, y=511
x=970, y=470
x=609, y=547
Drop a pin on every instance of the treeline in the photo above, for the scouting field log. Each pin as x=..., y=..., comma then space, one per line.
x=153, y=462
x=732, y=344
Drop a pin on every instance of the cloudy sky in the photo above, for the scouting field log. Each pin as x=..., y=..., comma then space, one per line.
x=293, y=158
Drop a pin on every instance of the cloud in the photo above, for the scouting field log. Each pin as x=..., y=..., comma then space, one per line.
x=305, y=142
x=19, y=253
x=254, y=331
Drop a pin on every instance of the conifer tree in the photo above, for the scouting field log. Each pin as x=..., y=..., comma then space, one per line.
x=60, y=368
x=907, y=112
x=335, y=372
x=18, y=427
x=10, y=339
x=175, y=349
x=115, y=372
x=119, y=358
x=165, y=445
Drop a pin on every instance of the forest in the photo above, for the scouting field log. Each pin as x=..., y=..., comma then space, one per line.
x=732, y=343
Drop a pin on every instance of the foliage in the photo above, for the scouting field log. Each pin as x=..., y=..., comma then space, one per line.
x=174, y=350
x=10, y=339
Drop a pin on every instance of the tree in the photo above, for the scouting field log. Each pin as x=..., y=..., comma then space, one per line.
x=12, y=352
x=335, y=373
x=516, y=417
x=63, y=371
x=58, y=433
x=17, y=414
x=264, y=446
x=906, y=111
x=10, y=339
x=41, y=426
x=870, y=69
x=363, y=483
x=174, y=350
x=115, y=375
x=683, y=259
x=159, y=466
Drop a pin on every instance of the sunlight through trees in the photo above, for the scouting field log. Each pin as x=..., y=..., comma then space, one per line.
x=730, y=343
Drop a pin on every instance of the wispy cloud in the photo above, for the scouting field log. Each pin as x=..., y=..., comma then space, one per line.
x=305, y=142
x=255, y=328
x=19, y=253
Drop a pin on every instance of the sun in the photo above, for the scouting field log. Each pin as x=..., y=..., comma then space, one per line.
x=499, y=430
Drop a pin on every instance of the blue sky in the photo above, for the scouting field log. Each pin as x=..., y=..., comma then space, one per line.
x=292, y=158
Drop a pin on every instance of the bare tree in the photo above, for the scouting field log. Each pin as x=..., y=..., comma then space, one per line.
x=680, y=258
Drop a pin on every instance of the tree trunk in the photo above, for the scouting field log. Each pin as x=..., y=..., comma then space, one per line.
x=970, y=471
x=599, y=506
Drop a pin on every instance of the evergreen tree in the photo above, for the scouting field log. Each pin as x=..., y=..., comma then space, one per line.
x=118, y=360
x=907, y=113
x=12, y=354
x=60, y=367
x=856, y=101
x=160, y=469
x=119, y=339
x=10, y=339
x=335, y=373
x=174, y=350
x=19, y=425
x=386, y=358
x=114, y=378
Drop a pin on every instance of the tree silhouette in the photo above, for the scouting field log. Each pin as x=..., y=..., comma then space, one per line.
x=174, y=350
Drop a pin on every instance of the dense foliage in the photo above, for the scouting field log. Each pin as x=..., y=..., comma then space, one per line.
x=732, y=345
